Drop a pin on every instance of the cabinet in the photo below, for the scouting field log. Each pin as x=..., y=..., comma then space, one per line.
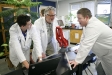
x=72, y=35
x=75, y=35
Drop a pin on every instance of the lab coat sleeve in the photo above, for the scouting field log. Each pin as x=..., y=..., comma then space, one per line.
x=89, y=38
x=36, y=41
x=15, y=43
x=38, y=29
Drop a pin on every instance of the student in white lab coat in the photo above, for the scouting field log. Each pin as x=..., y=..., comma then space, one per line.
x=96, y=37
x=47, y=30
x=21, y=35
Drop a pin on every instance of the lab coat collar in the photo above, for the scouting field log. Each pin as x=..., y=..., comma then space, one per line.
x=28, y=35
x=21, y=37
x=91, y=20
x=21, y=34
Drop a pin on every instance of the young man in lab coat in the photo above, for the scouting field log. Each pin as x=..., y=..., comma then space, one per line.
x=47, y=30
x=96, y=37
x=21, y=35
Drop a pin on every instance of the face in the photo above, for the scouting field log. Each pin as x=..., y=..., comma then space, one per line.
x=82, y=20
x=50, y=16
x=28, y=25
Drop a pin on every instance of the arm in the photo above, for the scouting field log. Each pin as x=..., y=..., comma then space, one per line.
x=17, y=48
x=37, y=42
x=38, y=26
x=26, y=64
x=86, y=44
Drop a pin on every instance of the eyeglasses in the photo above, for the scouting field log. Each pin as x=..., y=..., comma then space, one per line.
x=51, y=15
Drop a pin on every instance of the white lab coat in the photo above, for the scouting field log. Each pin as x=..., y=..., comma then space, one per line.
x=98, y=38
x=19, y=47
x=42, y=28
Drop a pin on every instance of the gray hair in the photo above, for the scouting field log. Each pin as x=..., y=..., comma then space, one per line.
x=48, y=9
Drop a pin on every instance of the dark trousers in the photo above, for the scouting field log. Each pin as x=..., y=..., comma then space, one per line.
x=100, y=70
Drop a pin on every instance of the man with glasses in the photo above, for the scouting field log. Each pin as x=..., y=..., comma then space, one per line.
x=47, y=27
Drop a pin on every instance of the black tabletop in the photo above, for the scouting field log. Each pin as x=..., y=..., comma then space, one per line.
x=78, y=69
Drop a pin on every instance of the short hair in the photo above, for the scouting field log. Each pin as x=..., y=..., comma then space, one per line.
x=48, y=9
x=22, y=20
x=85, y=12
x=42, y=12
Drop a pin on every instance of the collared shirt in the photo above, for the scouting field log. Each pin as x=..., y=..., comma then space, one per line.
x=25, y=34
x=50, y=36
x=49, y=32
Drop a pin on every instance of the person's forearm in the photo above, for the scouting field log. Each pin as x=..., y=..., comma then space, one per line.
x=26, y=64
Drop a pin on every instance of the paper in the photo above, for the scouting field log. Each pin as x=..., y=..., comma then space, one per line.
x=68, y=61
x=75, y=48
x=76, y=35
x=50, y=56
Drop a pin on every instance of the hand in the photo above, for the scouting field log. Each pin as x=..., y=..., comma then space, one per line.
x=32, y=62
x=76, y=51
x=26, y=64
x=39, y=59
x=43, y=55
x=74, y=63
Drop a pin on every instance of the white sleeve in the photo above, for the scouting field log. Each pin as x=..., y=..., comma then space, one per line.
x=36, y=41
x=86, y=44
x=15, y=43
x=38, y=29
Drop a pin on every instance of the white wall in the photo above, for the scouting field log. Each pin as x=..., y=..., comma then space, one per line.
x=63, y=7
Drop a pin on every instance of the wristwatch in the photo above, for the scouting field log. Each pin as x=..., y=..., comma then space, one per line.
x=40, y=59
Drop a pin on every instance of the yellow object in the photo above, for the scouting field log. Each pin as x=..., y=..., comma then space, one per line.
x=1, y=54
x=4, y=45
x=75, y=35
